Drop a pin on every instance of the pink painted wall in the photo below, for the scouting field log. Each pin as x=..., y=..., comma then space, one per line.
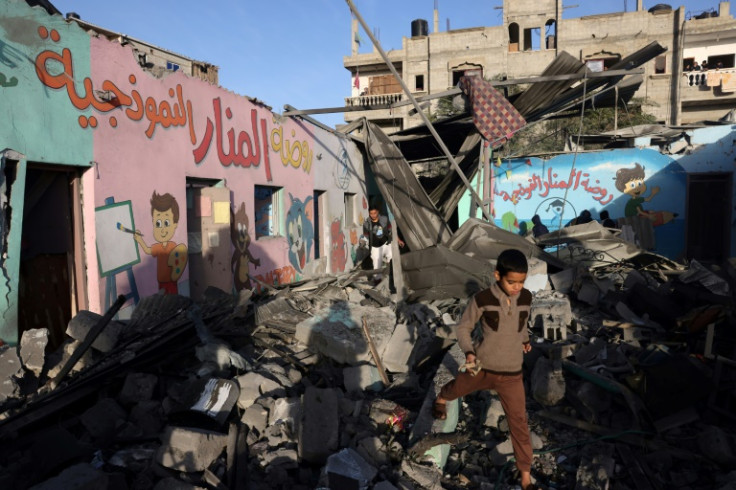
x=164, y=131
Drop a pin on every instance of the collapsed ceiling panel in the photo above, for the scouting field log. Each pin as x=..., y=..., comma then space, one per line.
x=420, y=222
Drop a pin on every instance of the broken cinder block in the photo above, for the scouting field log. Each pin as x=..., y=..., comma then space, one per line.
x=319, y=430
x=85, y=320
x=32, y=349
x=337, y=331
x=189, y=449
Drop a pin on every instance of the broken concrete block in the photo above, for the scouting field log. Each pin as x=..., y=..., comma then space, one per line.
x=279, y=434
x=286, y=458
x=84, y=321
x=138, y=387
x=82, y=476
x=380, y=411
x=254, y=385
x=501, y=453
x=220, y=357
x=361, y=378
x=348, y=469
x=536, y=277
x=10, y=368
x=494, y=413
x=104, y=418
x=553, y=329
x=396, y=355
x=562, y=281
x=288, y=411
x=428, y=477
x=58, y=359
x=319, y=428
x=189, y=449
x=373, y=450
x=548, y=382
x=33, y=349
x=256, y=418
x=337, y=331
x=550, y=304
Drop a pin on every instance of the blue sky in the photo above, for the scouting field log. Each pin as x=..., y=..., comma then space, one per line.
x=291, y=51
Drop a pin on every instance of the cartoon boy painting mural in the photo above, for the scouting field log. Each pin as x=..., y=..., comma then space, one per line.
x=631, y=181
x=171, y=259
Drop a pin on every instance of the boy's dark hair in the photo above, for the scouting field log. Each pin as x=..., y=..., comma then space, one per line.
x=164, y=202
x=624, y=175
x=511, y=260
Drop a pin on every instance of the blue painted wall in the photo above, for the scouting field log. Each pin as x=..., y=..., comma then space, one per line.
x=35, y=120
x=559, y=188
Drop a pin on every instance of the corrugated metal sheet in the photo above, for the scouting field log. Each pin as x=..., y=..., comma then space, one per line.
x=538, y=96
x=421, y=223
x=630, y=62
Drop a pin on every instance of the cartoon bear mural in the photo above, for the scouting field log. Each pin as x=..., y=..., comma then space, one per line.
x=339, y=252
x=299, y=232
x=242, y=258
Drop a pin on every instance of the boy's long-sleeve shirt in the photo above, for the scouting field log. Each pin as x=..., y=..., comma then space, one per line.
x=377, y=233
x=504, y=322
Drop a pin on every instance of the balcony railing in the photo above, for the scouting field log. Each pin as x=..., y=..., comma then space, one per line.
x=370, y=100
x=724, y=80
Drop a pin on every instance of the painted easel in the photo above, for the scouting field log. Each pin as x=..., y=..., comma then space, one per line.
x=111, y=288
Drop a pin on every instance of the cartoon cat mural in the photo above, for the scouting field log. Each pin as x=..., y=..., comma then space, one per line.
x=299, y=232
x=241, y=255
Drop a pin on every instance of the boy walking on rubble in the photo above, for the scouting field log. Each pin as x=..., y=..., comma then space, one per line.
x=495, y=362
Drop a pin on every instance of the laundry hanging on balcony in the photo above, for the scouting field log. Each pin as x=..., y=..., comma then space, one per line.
x=493, y=115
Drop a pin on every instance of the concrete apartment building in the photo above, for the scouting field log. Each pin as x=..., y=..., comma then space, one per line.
x=533, y=33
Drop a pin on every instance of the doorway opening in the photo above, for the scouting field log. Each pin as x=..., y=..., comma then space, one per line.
x=319, y=225
x=208, y=237
x=709, y=216
x=52, y=281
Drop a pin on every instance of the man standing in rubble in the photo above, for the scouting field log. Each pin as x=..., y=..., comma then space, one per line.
x=377, y=234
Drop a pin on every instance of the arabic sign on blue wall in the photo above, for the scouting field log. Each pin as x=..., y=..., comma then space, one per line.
x=627, y=183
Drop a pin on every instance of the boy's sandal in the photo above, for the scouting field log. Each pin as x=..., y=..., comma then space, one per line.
x=439, y=410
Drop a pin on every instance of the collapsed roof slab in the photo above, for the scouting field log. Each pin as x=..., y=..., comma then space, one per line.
x=485, y=241
x=593, y=245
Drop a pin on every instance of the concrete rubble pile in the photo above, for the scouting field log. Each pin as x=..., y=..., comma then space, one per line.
x=329, y=383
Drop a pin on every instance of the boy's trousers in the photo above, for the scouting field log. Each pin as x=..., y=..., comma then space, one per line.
x=510, y=389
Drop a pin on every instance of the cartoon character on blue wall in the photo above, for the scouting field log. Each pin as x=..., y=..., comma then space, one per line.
x=558, y=208
x=630, y=181
x=509, y=221
x=299, y=232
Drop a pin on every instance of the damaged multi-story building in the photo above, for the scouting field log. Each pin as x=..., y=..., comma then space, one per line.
x=532, y=34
